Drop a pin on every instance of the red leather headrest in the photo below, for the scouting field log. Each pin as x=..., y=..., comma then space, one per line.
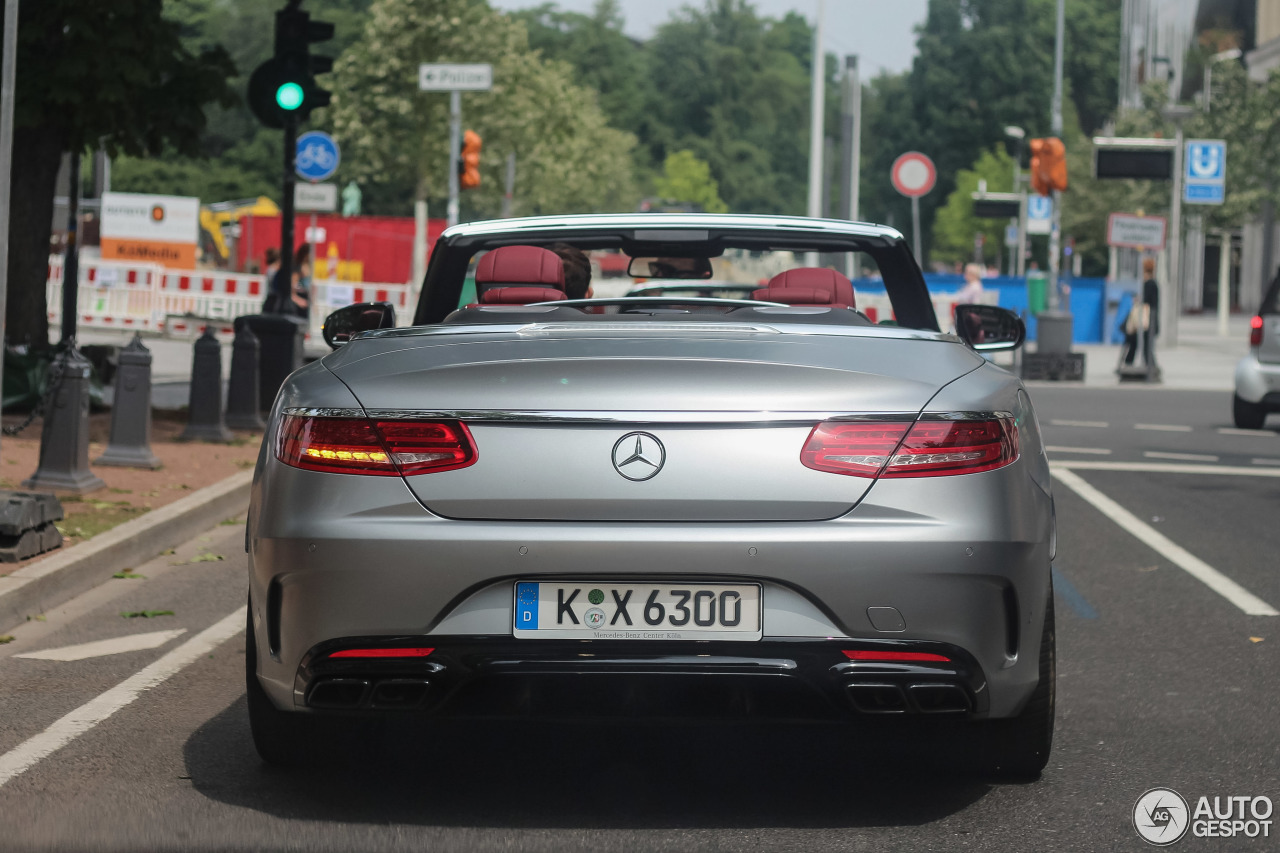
x=806, y=279
x=522, y=265
x=793, y=295
x=520, y=295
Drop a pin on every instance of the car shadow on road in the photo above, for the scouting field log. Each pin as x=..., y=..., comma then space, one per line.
x=613, y=774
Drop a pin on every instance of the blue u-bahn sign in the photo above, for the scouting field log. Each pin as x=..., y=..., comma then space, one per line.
x=1204, y=175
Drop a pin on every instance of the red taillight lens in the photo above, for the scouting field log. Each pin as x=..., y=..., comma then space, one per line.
x=1255, y=331
x=856, y=449
x=861, y=654
x=382, y=653
x=929, y=449
x=363, y=446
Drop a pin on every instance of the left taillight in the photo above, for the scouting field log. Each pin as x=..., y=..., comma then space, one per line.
x=373, y=447
x=926, y=448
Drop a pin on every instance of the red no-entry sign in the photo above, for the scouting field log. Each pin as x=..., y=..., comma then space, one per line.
x=913, y=174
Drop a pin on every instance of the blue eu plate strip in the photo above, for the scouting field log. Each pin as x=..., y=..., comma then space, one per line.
x=527, y=606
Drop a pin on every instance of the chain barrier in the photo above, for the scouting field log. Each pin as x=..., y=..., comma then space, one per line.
x=56, y=370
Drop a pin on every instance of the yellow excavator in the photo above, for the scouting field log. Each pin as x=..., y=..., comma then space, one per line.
x=213, y=217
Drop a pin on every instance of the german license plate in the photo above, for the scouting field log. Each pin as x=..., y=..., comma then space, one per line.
x=637, y=611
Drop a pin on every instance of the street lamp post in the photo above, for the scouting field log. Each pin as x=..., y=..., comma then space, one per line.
x=1019, y=267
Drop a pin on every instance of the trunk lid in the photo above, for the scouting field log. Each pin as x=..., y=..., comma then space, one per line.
x=728, y=412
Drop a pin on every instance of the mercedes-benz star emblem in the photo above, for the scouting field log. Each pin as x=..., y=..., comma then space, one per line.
x=638, y=456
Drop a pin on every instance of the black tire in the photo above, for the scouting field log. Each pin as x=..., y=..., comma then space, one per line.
x=1247, y=415
x=1018, y=749
x=281, y=738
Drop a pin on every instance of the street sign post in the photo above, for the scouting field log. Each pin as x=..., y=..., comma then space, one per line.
x=454, y=79
x=318, y=156
x=1205, y=178
x=913, y=175
x=1127, y=231
x=1039, y=214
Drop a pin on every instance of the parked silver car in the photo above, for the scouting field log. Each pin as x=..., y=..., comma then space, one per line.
x=533, y=501
x=1258, y=373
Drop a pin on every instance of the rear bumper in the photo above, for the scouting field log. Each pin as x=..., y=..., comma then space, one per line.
x=486, y=677
x=1258, y=382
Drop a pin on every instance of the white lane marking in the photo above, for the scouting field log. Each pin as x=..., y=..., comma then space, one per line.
x=1096, y=424
x=102, y=648
x=1257, y=433
x=1176, y=554
x=1163, y=427
x=1185, y=457
x=1262, y=460
x=1100, y=451
x=1167, y=468
x=30, y=752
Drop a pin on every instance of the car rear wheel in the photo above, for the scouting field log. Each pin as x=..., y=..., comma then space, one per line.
x=1247, y=415
x=281, y=738
x=1018, y=748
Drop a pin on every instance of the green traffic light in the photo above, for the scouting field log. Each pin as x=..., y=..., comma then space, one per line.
x=289, y=96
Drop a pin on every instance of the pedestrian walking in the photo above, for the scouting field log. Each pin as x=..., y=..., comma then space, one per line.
x=1144, y=318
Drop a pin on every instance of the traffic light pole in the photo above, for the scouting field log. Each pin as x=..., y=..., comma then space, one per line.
x=455, y=149
x=286, y=210
x=1055, y=123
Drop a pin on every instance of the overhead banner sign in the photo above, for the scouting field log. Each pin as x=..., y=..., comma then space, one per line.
x=161, y=229
x=1127, y=231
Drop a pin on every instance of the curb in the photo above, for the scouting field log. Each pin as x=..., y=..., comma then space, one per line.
x=57, y=579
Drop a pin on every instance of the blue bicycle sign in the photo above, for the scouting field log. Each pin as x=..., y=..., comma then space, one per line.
x=317, y=156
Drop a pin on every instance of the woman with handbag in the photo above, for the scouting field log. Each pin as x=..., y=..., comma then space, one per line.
x=1144, y=317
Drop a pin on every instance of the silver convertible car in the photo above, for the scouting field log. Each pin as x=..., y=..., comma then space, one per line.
x=527, y=505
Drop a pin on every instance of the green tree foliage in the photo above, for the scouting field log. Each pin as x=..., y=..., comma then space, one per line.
x=568, y=158
x=111, y=74
x=685, y=178
x=985, y=64
x=955, y=225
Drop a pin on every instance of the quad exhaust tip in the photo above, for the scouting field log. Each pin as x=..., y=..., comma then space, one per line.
x=348, y=694
x=928, y=698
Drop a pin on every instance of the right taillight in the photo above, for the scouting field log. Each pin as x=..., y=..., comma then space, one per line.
x=1255, y=331
x=928, y=448
x=376, y=447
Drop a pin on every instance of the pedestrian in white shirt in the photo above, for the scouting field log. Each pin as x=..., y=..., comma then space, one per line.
x=971, y=293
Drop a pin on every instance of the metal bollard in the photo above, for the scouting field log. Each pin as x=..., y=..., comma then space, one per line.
x=204, y=411
x=64, y=438
x=130, y=444
x=242, y=391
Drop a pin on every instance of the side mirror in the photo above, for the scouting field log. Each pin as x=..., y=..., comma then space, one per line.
x=988, y=328
x=345, y=323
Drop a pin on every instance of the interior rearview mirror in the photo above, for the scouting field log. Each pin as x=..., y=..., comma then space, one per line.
x=989, y=328
x=670, y=267
x=345, y=323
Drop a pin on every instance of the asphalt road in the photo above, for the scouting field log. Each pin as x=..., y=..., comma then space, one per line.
x=1164, y=680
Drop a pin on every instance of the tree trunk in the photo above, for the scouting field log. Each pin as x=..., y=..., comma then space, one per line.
x=37, y=154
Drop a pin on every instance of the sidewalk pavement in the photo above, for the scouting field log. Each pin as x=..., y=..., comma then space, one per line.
x=1201, y=360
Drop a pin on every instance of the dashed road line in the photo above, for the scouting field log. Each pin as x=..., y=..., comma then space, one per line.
x=1166, y=468
x=34, y=749
x=1163, y=427
x=1094, y=424
x=1185, y=457
x=1262, y=460
x=102, y=648
x=1256, y=433
x=1161, y=544
x=1100, y=451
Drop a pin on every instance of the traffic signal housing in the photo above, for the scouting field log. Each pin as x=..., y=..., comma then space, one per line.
x=469, y=161
x=1048, y=165
x=284, y=86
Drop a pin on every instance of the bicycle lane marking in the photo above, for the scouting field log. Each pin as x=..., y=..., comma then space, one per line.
x=1167, y=548
x=38, y=747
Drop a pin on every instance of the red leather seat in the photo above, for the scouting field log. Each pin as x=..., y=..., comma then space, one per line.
x=518, y=275
x=808, y=286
